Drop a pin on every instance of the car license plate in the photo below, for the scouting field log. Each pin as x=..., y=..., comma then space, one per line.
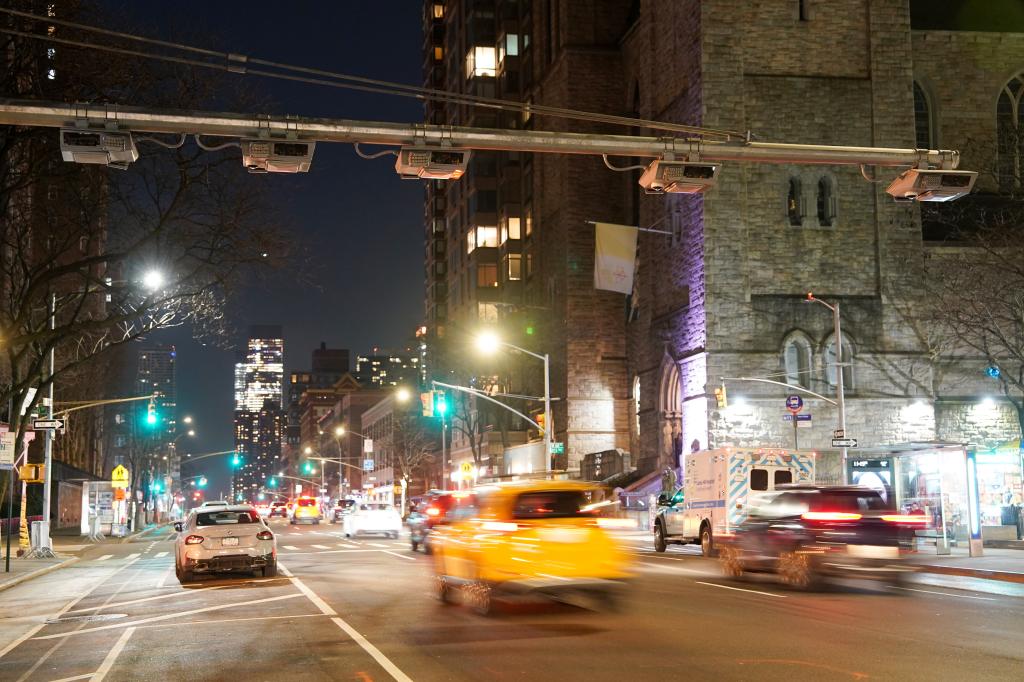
x=873, y=551
x=229, y=542
x=563, y=534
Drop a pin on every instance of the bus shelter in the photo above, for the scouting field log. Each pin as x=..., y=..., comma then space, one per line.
x=938, y=480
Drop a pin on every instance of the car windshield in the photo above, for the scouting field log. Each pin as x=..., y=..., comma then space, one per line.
x=549, y=504
x=224, y=518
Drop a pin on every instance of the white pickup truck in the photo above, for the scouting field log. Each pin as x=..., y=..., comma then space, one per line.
x=717, y=487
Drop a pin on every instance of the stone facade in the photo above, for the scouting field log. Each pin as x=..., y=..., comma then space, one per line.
x=721, y=296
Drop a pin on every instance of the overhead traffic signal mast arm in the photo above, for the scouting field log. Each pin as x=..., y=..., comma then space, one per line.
x=149, y=120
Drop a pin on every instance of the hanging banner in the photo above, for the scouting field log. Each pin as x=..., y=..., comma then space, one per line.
x=614, y=257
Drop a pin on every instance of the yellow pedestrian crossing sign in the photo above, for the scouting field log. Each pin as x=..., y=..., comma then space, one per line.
x=119, y=477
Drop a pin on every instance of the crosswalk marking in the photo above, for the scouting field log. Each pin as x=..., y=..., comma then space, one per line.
x=133, y=555
x=350, y=545
x=376, y=544
x=104, y=557
x=291, y=547
x=320, y=546
x=160, y=555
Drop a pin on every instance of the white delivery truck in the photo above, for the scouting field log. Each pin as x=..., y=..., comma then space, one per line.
x=718, y=486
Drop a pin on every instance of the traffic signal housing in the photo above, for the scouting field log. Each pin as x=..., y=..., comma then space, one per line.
x=440, y=403
x=151, y=416
x=427, y=401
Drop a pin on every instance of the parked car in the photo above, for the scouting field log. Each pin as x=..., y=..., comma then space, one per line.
x=433, y=510
x=373, y=519
x=806, y=534
x=224, y=539
x=306, y=510
x=537, y=538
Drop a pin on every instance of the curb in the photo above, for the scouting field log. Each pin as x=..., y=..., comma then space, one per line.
x=38, y=572
x=980, y=573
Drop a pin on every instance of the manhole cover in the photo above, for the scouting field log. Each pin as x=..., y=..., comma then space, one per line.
x=87, y=619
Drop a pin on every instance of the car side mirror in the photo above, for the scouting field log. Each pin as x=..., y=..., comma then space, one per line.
x=177, y=526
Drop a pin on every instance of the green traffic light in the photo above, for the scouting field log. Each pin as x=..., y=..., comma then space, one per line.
x=236, y=461
x=272, y=482
x=151, y=419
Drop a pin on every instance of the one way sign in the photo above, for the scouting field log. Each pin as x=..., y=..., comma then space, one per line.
x=844, y=442
x=42, y=424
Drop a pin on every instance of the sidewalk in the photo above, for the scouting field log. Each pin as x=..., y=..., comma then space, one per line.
x=995, y=564
x=66, y=547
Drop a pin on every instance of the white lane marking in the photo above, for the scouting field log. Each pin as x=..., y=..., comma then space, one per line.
x=310, y=595
x=685, y=570
x=164, y=577
x=944, y=594
x=145, y=599
x=189, y=623
x=133, y=555
x=381, y=659
x=400, y=556
x=320, y=546
x=740, y=589
x=291, y=547
x=376, y=544
x=67, y=607
x=104, y=557
x=168, y=616
x=112, y=655
x=161, y=555
x=87, y=676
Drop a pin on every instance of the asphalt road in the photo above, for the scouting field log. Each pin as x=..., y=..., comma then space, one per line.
x=362, y=610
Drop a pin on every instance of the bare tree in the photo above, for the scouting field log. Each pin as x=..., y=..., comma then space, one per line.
x=412, y=442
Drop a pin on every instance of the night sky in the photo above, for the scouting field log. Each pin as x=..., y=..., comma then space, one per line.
x=361, y=223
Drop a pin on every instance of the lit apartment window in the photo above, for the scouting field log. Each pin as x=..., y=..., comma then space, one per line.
x=471, y=241
x=487, y=275
x=438, y=10
x=438, y=53
x=487, y=312
x=487, y=235
x=515, y=267
x=529, y=222
x=508, y=47
x=480, y=62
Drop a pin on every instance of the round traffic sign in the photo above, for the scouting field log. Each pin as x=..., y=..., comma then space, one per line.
x=794, y=403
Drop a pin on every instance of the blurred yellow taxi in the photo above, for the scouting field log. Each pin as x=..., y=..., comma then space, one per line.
x=306, y=510
x=544, y=538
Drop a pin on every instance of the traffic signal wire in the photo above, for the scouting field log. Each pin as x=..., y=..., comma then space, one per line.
x=236, y=63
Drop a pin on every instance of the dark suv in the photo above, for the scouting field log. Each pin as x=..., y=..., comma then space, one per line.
x=432, y=511
x=807, y=533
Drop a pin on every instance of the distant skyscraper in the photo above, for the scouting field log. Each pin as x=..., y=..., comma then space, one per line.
x=156, y=375
x=388, y=369
x=259, y=416
x=260, y=375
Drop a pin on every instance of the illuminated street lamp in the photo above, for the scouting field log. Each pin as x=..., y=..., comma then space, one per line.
x=402, y=395
x=153, y=280
x=488, y=343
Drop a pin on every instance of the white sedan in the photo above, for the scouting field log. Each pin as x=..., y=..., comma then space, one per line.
x=378, y=519
x=224, y=539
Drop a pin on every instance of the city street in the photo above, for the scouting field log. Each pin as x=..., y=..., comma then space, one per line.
x=362, y=610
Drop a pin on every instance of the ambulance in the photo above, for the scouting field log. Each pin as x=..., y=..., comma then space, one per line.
x=718, y=488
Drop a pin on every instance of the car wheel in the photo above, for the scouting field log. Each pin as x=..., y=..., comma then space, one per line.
x=796, y=570
x=732, y=567
x=270, y=570
x=443, y=590
x=185, y=576
x=479, y=597
x=707, y=542
x=316, y=522
x=659, y=539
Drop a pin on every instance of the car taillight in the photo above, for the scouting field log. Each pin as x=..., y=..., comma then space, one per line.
x=264, y=535
x=194, y=540
x=830, y=516
x=499, y=527
x=918, y=519
x=433, y=511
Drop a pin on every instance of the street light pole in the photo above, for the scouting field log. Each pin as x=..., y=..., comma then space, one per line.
x=837, y=333
x=45, y=548
x=548, y=419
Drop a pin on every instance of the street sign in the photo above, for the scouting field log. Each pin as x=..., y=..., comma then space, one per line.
x=367, y=465
x=367, y=445
x=839, y=433
x=40, y=424
x=119, y=477
x=466, y=469
x=7, y=446
x=558, y=448
x=844, y=442
x=298, y=488
x=794, y=403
